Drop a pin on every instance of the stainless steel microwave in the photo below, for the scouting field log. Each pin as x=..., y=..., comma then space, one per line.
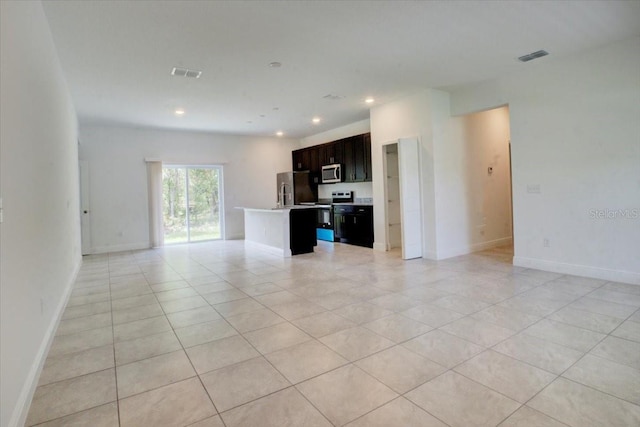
x=331, y=173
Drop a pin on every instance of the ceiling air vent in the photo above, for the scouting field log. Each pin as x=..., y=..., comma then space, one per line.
x=534, y=55
x=333, y=97
x=185, y=72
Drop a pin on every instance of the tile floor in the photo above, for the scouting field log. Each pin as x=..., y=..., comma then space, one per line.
x=216, y=334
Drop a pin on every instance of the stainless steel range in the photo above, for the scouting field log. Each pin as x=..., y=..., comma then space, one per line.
x=341, y=197
x=325, y=228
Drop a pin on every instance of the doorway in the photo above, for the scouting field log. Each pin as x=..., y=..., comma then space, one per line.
x=191, y=203
x=403, y=212
x=483, y=162
x=393, y=229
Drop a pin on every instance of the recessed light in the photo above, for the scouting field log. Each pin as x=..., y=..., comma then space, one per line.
x=279, y=133
x=275, y=64
x=179, y=112
x=369, y=100
x=316, y=120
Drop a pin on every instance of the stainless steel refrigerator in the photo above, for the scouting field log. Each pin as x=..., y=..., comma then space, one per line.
x=295, y=188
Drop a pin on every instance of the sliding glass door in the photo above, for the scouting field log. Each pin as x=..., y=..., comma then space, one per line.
x=192, y=203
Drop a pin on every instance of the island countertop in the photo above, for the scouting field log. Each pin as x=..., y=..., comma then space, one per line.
x=279, y=209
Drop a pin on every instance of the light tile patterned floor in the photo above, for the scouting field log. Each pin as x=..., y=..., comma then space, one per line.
x=216, y=334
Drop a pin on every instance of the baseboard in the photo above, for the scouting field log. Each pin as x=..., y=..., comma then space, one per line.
x=379, y=247
x=23, y=404
x=578, y=270
x=430, y=255
x=267, y=248
x=120, y=248
x=464, y=250
x=234, y=237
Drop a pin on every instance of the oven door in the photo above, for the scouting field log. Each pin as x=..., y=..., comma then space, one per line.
x=324, y=229
x=324, y=218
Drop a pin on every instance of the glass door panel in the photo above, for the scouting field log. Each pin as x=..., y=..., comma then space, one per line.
x=204, y=215
x=191, y=204
x=174, y=202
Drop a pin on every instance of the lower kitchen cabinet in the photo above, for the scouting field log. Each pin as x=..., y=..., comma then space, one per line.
x=353, y=224
x=302, y=230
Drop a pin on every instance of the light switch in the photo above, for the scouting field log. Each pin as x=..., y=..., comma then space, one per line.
x=533, y=188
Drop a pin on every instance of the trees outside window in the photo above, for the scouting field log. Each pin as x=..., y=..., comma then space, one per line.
x=191, y=203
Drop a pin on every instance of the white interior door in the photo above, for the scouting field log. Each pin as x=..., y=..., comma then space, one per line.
x=85, y=212
x=410, y=199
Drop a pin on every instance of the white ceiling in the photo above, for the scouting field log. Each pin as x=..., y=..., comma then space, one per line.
x=117, y=55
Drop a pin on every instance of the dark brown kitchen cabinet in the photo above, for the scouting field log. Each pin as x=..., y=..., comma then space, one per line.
x=314, y=164
x=353, y=153
x=306, y=159
x=298, y=160
x=357, y=158
x=353, y=224
x=302, y=230
x=363, y=226
x=331, y=153
x=366, y=142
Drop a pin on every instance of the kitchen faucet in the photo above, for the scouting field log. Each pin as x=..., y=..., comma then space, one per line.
x=283, y=194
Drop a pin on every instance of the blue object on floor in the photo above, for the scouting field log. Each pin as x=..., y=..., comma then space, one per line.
x=324, y=234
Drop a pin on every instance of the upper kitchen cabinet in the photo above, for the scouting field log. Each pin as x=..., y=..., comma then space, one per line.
x=353, y=153
x=357, y=158
x=331, y=153
x=306, y=159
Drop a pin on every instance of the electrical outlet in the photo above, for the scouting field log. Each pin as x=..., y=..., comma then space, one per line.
x=533, y=188
x=545, y=242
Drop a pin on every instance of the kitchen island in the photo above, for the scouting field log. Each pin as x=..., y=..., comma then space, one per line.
x=287, y=231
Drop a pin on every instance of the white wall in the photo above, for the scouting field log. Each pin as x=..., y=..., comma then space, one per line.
x=360, y=189
x=352, y=129
x=118, y=177
x=575, y=132
x=40, y=235
x=474, y=207
x=410, y=117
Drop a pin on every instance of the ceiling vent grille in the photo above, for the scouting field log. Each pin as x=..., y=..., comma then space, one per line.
x=534, y=55
x=185, y=72
x=333, y=97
